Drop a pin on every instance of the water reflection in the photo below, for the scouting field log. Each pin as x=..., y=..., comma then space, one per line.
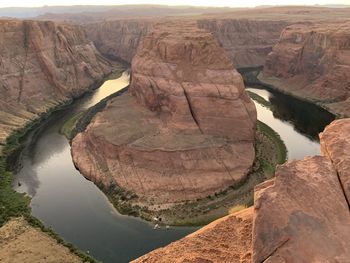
x=73, y=206
x=297, y=122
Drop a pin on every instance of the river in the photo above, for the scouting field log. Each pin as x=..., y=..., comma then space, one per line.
x=81, y=214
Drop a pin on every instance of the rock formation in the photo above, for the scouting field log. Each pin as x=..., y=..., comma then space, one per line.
x=312, y=60
x=118, y=39
x=301, y=215
x=247, y=41
x=42, y=65
x=187, y=130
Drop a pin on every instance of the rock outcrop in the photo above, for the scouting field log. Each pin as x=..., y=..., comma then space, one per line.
x=312, y=60
x=187, y=130
x=301, y=215
x=42, y=65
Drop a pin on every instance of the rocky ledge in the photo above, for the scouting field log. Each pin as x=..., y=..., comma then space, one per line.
x=312, y=61
x=301, y=215
x=43, y=64
x=185, y=130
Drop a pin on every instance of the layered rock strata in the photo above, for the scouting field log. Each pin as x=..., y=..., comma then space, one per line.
x=301, y=215
x=247, y=41
x=42, y=65
x=185, y=130
x=312, y=61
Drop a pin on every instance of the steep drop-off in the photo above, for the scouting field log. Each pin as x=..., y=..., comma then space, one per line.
x=42, y=65
x=312, y=60
x=185, y=130
x=301, y=215
x=247, y=41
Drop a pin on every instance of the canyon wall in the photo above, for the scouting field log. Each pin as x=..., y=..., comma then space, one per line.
x=118, y=39
x=42, y=65
x=301, y=215
x=312, y=60
x=247, y=41
x=186, y=129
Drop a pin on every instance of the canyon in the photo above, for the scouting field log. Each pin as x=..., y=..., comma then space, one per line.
x=163, y=143
x=287, y=223
x=43, y=65
x=186, y=129
x=312, y=61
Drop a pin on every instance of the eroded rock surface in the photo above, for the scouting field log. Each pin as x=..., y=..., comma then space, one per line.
x=225, y=240
x=185, y=131
x=301, y=215
x=42, y=65
x=312, y=60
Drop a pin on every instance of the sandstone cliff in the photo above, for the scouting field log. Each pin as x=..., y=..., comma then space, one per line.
x=312, y=60
x=187, y=130
x=247, y=41
x=301, y=215
x=118, y=39
x=42, y=65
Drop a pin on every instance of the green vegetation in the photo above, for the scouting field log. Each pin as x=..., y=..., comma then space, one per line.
x=70, y=124
x=236, y=208
x=259, y=99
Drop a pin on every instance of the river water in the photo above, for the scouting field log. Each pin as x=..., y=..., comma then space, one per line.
x=81, y=214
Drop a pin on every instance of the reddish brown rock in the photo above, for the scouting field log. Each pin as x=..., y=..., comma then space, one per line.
x=225, y=240
x=42, y=65
x=302, y=215
x=312, y=60
x=187, y=131
x=335, y=144
x=247, y=41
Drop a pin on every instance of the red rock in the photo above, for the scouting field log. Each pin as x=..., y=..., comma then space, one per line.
x=312, y=60
x=187, y=131
x=42, y=65
x=335, y=144
x=301, y=215
x=227, y=239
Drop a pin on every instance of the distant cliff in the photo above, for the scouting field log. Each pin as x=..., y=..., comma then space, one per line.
x=42, y=65
x=247, y=41
x=312, y=60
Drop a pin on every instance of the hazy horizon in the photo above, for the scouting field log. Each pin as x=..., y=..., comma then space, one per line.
x=208, y=3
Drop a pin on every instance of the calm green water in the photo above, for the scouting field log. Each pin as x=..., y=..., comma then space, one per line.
x=73, y=206
x=297, y=122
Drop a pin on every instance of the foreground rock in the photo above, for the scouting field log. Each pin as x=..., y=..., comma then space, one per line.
x=185, y=131
x=313, y=61
x=20, y=242
x=301, y=215
x=225, y=240
x=43, y=64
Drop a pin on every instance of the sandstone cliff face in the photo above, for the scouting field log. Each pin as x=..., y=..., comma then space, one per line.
x=42, y=65
x=248, y=42
x=301, y=215
x=186, y=132
x=118, y=39
x=313, y=61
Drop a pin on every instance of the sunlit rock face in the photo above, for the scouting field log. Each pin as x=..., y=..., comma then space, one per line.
x=185, y=130
x=312, y=60
x=42, y=65
x=301, y=215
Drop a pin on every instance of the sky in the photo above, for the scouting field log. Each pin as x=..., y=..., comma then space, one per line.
x=231, y=3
